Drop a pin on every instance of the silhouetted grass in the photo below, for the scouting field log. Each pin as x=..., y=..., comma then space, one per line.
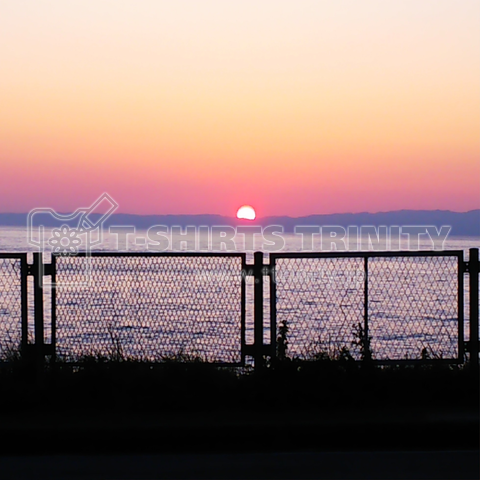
x=187, y=383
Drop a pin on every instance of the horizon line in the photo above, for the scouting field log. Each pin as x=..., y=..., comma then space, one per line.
x=266, y=216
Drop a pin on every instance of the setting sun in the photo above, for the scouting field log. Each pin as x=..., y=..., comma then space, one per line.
x=246, y=212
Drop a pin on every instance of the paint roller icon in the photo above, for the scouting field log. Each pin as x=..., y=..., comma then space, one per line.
x=89, y=219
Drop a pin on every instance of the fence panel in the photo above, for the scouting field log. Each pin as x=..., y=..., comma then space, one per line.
x=321, y=301
x=13, y=306
x=409, y=304
x=150, y=306
x=413, y=307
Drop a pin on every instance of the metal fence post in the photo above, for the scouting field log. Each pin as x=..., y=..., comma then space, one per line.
x=474, y=340
x=273, y=309
x=258, y=309
x=53, y=291
x=38, y=308
x=366, y=340
x=24, y=302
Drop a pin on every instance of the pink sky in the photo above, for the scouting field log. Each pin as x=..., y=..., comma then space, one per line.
x=294, y=107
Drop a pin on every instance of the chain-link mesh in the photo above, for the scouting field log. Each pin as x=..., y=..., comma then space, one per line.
x=152, y=307
x=149, y=307
x=412, y=307
x=10, y=307
x=318, y=302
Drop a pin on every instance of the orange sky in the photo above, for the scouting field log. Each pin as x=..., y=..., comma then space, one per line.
x=296, y=107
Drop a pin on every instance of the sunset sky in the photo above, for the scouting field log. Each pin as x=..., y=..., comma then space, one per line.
x=293, y=106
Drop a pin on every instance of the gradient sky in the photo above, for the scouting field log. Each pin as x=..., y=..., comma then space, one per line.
x=294, y=106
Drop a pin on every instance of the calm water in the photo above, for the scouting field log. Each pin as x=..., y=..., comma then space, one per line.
x=154, y=307
x=14, y=239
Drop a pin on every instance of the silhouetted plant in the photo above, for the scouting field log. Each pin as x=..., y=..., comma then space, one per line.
x=282, y=340
x=424, y=355
x=428, y=354
x=322, y=350
x=117, y=350
x=344, y=355
x=362, y=341
x=11, y=352
x=182, y=357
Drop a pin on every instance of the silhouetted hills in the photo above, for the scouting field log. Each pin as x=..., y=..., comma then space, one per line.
x=462, y=223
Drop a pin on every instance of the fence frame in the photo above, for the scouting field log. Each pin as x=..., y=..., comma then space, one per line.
x=472, y=267
x=366, y=255
x=242, y=256
x=258, y=350
x=24, y=271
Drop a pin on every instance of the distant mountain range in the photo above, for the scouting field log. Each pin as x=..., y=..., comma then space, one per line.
x=462, y=223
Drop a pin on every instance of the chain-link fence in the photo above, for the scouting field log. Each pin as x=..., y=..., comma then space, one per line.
x=392, y=307
x=318, y=300
x=150, y=307
x=12, y=306
x=387, y=306
x=413, y=307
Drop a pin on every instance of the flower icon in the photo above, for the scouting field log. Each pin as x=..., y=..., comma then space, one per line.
x=64, y=240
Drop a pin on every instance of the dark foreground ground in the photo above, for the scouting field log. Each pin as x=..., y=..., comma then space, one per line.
x=275, y=465
x=315, y=420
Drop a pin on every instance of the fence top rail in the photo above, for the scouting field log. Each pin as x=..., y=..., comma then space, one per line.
x=242, y=255
x=155, y=254
x=19, y=256
x=405, y=253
